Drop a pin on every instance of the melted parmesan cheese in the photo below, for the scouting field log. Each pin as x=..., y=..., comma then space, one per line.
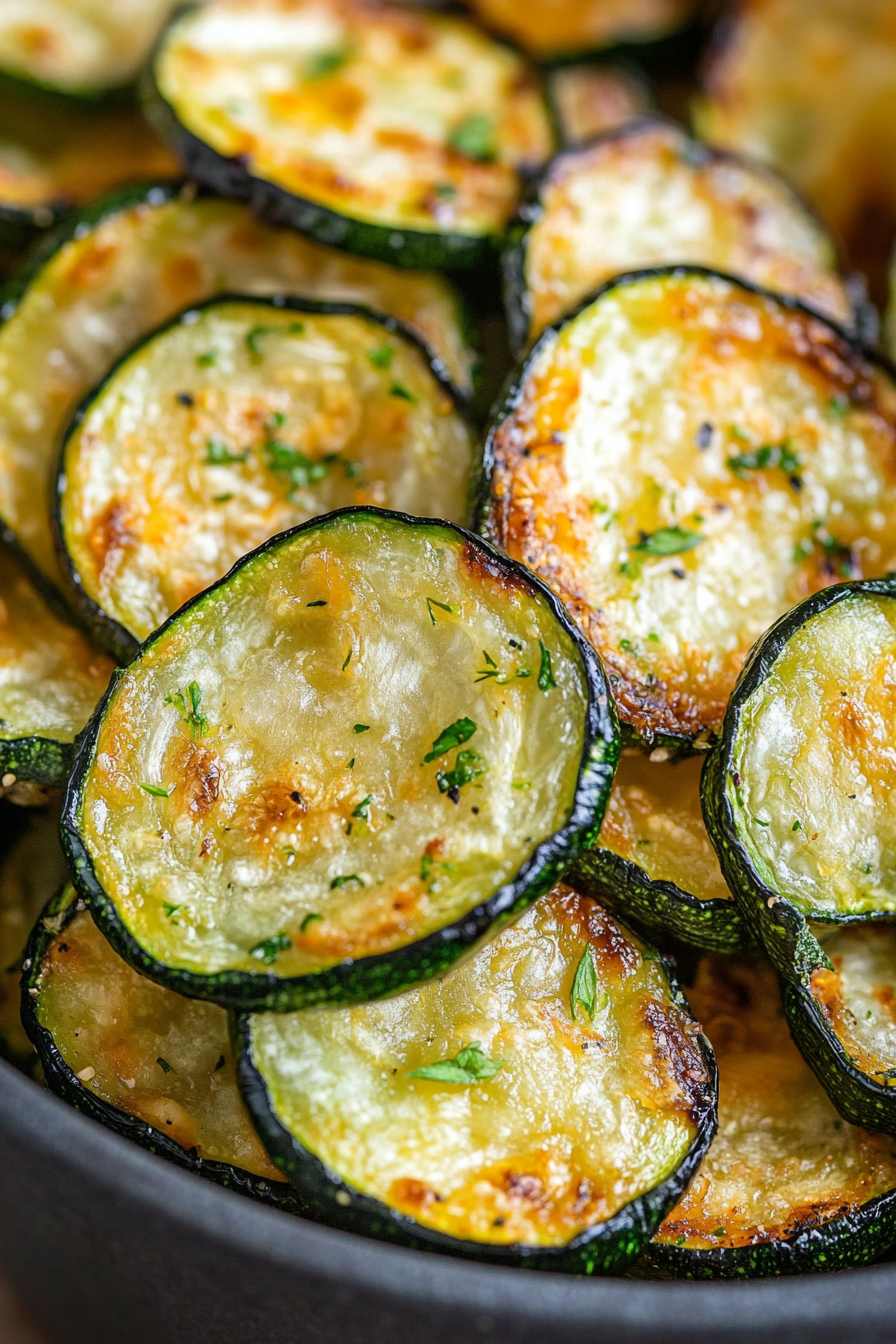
x=858, y=996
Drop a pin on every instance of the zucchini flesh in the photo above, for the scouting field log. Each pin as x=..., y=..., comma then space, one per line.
x=237, y=421
x=647, y=194
x=50, y=682
x=682, y=461
x=562, y=1150
x=549, y=29
x=368, y=743
x=79, y=47
x=654, y=862
x=32, y=869
x=148, y=1063
x=398, y=123
x=125, y=267
x=787, y=1185
x=592, y=97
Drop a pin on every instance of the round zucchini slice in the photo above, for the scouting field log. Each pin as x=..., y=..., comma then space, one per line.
x=33, y=868
x=654, y=863
x=395, y=133
x=82, y=49
x=787, y=1186
x=560, y=29
x=148, y=1064
x=50, y=682
x=123, y=267
x=544, y=1104
x=241, y=419
x=799, y=792
x=593, y=96
x=647, y=194
x=682, y=460
x=341, y=768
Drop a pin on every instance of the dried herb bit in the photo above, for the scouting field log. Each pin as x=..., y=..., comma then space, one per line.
x=292, y=462
x=309, y=919
x=427, y=863
x=170, y=910
x=453, y=736
x=475, y=138
x=222, y=499
x=254, y=337
x=217, y=454
x=471, y=1065
x=778, y=456
x=158, y=790
x=207, y=359
x=362, y=811
x=269, y=950
x=188, y=703
x=584, y=985
x=668, y=541
x=546, y=680
x=467, y=767
x=404, y=393
x=319, y=603
x=164, y=1065
x=325, y=63
x=348, y=658
x=382, y=356
x=343, y=882
x=361, y=728
x=442, y=606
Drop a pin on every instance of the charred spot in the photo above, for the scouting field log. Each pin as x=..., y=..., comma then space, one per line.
x=885, y=995
x=95, y=259
x=483, y=569
x=199, y=772
x=676, y=1047
x=410, y=1195
x=111, y=533
x=523, y=1186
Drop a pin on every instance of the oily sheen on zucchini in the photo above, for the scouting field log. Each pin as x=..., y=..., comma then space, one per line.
x=121, y=268
x=683, y=460
x=590, y=97
x=341, y=767
x=841, y=1014
x=237, y=421
x=148, y=1064
x=557, y=29
x=647, y=194
x=654, y=864
x=50, y=682
x=787, y=1185
x=542, y=1105
x=799, y=792
x=393, y=132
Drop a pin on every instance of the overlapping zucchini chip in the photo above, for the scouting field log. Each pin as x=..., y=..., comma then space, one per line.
x=544, y=1104
x=647, y=194
x=341, y=768
x=149, y=1064
x=122, y=268
x=593, y=96
x=554, y=29
x=654, y=863
x=392, y=132
x=799, y=792
x=239, y=420
x=683, y=460
x=32, y=869
x=82, y=48
x=50, y=682
x=787, y=1185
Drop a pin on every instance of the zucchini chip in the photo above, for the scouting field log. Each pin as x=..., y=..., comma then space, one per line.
x=800, y=792
x=842, y=1017
x=82, y=49
x=50, y=682
x=647, y=194
x=395, y=133
x=592, y=97
x=32, y=869
x=239, y=420
x=654, y=864
x=544, y=1104
x=787, y=1186
x=120, y=269
x=558, y=29
x=683, y=460
x=148, y=1064
x=341, y=768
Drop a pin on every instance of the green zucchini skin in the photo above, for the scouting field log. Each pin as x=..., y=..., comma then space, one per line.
x=39, y=760
x=783, y=929
x=608, y=1248
x=64, y=1083
x=109, y=634
x=381, y=975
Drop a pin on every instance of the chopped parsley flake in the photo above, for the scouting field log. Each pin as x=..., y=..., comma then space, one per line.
x=475, y=138
x=797, y=825
x=344, y=881
x=269, y=950
x=217, y=454
x=668, y=541
x=382, y=356
x=471, y=1065
x=207, y=359
x=362, y=811
x=319, y=603
x=442, y=606
x=453, y=736
x=170, y=910
x=467, y=767
x=348, y=659
x=584, y=985
x=546, y=680
x=254, y=337
x=404, y=393
x=521, y=785
x=222, y=499
x=309, y=919
x=302, y=471
x=361, y=728
x=325, y=63
x=157, y=790
x=837, y=407
x=189, y=703
x=768, y=457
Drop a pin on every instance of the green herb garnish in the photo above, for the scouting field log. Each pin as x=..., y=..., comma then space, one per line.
x=382, y=356
x=442, y=606
x=453, y=736
x=467, y=767
x=344, y=881
x=668, y=541
x=348, y=658
x=404, y=393
x=475, y=138
x=769, y=456
x=207, y=359
x=584, y=985
x=302, y=471
x=837, y=407
x=546, y=680
x=324, y=63
x=157, y=791
x=269, y=950
x=253, y=337
x=470, y=1065
x=170, y=910
x=363, y=809
x=217, y=454
x=164, y=1065
x=361, y=728
x=309, y=919
x=188, y=703
x=319, y=603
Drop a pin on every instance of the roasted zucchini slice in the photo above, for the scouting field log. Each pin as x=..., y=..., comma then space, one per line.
x=341, y=768
x=82, y=48
x=682, y=460
x=544, y=1104
x=32, y=869
x=798, y=793
x=239, y=420
x=395, y=133
x=149, y=1064
x=50, y=682
x=647, y=194
x=558, y=29
x=124, y=266
x=593, y=96
x=787, y=1186
x=654, y=864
